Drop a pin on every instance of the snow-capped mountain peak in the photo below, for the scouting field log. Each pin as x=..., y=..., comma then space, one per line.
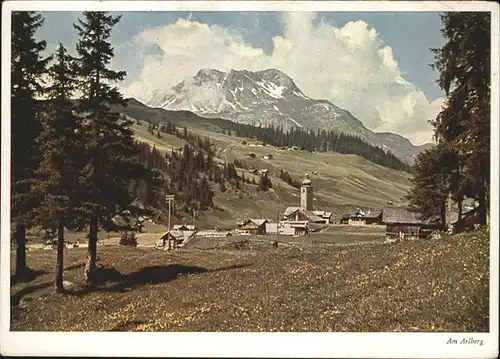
x=268, y=97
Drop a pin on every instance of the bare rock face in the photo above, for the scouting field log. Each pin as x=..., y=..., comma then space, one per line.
x=270, y=97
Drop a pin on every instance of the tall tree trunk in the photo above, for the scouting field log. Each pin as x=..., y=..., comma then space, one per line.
x=482, y=203
x=460, y=209
x=91, y=251
x=59, y=287
x=20, y=237
x=442, y=213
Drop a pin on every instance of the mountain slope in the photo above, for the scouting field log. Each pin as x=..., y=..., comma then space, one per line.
x=266, y=98
x=341, y=182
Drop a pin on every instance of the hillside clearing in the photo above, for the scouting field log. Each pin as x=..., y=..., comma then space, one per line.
x=440, y=285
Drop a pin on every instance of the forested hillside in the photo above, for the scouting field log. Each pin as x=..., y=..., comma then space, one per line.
x=320, y=141
x=189, y=173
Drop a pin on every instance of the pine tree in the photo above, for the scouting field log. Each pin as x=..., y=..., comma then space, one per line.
x=430, y=186
x=464, y=123
x=110, y=149
x=27, y=68
x=61, y=149
x=264, y=183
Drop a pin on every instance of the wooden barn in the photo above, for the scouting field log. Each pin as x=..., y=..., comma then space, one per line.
x=175, y=238
x=401, y=223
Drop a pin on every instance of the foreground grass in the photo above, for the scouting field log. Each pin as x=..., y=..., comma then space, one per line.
x=440, y=285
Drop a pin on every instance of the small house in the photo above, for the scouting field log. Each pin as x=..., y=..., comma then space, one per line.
x=373, y=217
x=175, y=238
x=401, y=223
x=288, y=228
x=324, y=215
x=354, y=219
x=284, y=229
x=361, y=218
x=300, y=227
x=253, y=226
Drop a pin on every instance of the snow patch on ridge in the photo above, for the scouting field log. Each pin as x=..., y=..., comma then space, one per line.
x=272, y=89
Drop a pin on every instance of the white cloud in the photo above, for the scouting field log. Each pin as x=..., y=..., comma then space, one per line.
x=350, y=66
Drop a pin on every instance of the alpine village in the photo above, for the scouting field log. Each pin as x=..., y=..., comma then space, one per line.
x=132, y=216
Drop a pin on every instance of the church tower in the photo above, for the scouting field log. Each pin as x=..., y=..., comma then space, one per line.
x=306, y=194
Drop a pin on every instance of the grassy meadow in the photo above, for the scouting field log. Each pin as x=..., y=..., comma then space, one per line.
x=415, y=286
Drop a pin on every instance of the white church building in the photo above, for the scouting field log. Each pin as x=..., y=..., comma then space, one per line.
x=306, y=211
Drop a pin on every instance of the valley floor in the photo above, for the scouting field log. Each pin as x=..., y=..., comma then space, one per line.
x=439, y=285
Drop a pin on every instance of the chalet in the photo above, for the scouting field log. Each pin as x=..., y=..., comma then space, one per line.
x=354, y=219
x=401, y=223
x=253, y=226
x=361, y=218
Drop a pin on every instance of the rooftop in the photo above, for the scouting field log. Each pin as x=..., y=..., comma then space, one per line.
x=400, y=215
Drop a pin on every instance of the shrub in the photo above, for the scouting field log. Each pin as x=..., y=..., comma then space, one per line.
x=128, y=239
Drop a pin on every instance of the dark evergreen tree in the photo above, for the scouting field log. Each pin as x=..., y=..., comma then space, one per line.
x=27, y=68
x=464, y=124
x=111, y=161
x=430, y=185
x=61, y=164
x=264, y=183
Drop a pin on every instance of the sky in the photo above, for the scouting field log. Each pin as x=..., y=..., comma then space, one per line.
x=373, y=64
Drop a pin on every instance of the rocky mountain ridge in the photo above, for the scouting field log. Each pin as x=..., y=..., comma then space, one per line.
x=270, y=97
